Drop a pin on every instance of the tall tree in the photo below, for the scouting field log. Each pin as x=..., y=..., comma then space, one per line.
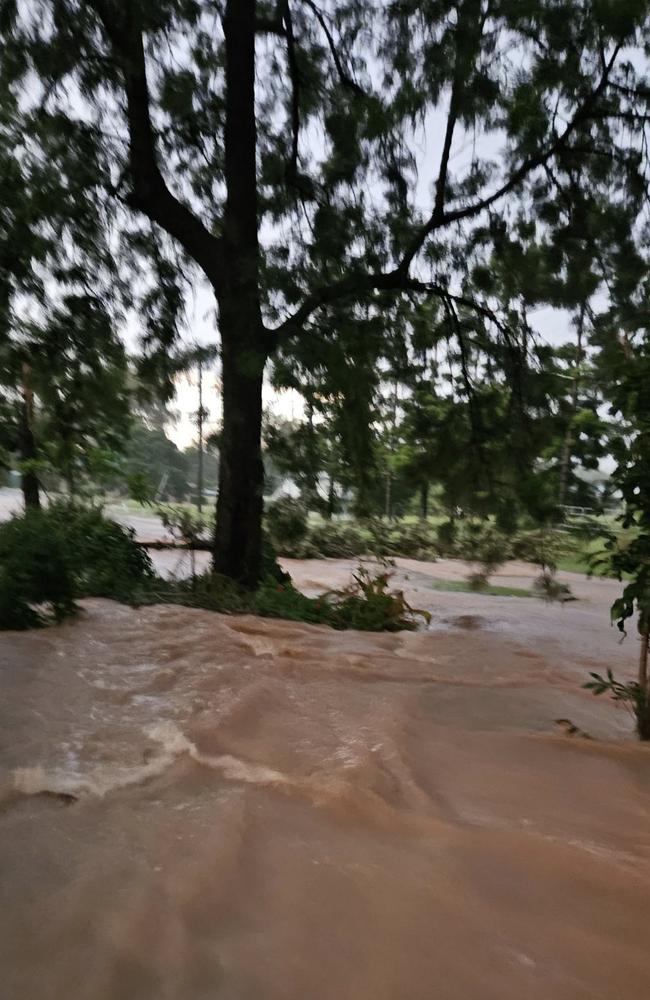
x=62, y=367
x=207, y=117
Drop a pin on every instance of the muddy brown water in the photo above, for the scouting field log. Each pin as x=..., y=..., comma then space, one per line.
x=196, y=806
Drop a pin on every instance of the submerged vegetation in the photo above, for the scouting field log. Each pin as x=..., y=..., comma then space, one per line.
x=49, y=559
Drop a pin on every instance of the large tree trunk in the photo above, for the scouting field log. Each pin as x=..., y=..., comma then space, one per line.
x=27, y=445
x=244, y=350
x=238, y=535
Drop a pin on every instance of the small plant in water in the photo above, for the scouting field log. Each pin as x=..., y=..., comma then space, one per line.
x=187, y=526
x=368, y=603
x=549, y=588
x=632, y=694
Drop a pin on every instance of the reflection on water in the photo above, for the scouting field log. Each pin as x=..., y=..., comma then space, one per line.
x=197, y=806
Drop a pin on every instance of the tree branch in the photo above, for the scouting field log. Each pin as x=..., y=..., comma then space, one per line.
x=356, y=285
x=150, y=193
x=467, y=35
x=344, y=76
x=438, y=218
x=294, y=73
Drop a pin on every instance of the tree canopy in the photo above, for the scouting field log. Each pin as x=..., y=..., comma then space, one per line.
x=328, y=166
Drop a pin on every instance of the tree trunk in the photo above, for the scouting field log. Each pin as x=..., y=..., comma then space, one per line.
x=331, y=498
x=388, y=504
x=27, y=446
x=312, y=459
x=424, y=500
x=238, y=534
x=244, y=347
x=199, y=477
x=643, y=661
x=567, y=445
x=643, y=709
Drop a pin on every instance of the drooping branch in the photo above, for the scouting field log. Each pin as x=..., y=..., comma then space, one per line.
x=468, y=30
x=360, y=283
x=294, y=73
x=477, y=432
x=149, y=191
x=355, y=286
x=344, y=76
x=439, y=219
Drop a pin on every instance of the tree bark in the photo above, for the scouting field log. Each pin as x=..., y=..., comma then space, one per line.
x=567, y=445
x=27, y=446
x=424, y=500
x=331, y=498
x=643, y=710
x=238, y=533
x=199, y=477
x=244, y=347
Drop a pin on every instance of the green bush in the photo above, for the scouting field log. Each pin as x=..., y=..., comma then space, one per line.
x=51, y=557
x=446, y=539
x=37, y=581
x=482, y=542
x=367, y=604
x=282, y=600
x=370, y=605
x=105, y=557
x=336, y=540
x=286, y=522
x=416, y=540
x=543, y=546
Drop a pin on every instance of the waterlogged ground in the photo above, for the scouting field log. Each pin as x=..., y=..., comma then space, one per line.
x=195, y=806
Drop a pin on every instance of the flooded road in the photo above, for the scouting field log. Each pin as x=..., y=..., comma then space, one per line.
x=196, y=806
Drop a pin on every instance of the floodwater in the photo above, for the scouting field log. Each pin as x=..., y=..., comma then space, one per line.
x=196, y=806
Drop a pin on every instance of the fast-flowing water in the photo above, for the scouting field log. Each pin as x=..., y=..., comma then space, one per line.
x=195, y=806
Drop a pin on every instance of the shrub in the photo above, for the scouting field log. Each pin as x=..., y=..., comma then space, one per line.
x=36, y=572
x=632, y=695
x=282, y=600
x=205, y=590
x=482, y=542
x=346, y=539
x=370, y=605
x=549, y=588
x=337, y=540
x=543, y=546
x=286, y=521
x=106, y=560
x=447, y=537
x=49, y=558
x=367, y=604
x=416, y=540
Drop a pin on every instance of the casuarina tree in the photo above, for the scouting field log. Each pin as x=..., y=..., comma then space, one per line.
x=270, y=149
